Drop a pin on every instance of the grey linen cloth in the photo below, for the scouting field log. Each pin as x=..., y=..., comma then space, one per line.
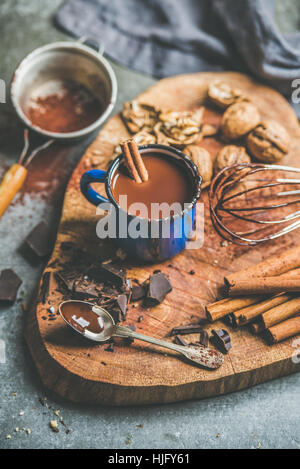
x=169, y=37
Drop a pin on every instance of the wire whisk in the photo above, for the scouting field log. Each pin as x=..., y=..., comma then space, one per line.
x=251, y=203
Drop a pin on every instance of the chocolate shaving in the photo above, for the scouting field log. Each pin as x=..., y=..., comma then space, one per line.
x=221, y=339
x=45, y=286
x=9, y=285
x=122, y=303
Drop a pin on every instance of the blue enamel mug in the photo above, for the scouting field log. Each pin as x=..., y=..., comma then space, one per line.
x=160, y=239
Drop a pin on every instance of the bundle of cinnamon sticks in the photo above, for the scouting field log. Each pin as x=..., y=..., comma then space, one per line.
x=266, y=296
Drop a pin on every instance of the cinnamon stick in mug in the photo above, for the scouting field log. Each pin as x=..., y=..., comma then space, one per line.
x=281, y=313
x=273, y=266
x=264, y=286
x=284, y=330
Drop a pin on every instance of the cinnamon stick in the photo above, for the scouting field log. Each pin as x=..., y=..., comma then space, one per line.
x=273, y=266
x=284, y=330
x=281, y=312
x=222, y=308
x=134, y=161
x=246, y=315
x=267, y=286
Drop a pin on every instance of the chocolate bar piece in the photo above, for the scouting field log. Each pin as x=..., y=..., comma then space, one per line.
x=204, y=338
x=188, y=329
x=179, y=340
x=9, y=285
x=159, y=287
x=40, y=240
x=221, y=339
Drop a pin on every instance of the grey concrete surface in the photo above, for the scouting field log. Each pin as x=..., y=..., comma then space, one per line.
x=266, y=416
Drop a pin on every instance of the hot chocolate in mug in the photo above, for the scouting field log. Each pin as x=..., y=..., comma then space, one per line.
x=153, y=220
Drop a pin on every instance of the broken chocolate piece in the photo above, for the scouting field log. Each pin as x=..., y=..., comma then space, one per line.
x=159, y=287
x=9, y=285
x=138, y=292
x=204, y=338
x=179, y=340
x=230, y=320
x=84, y=288
x=68, y=278
x=40, y=240
x=188, y=329
x=110, y=348
x=221, y=339
x=122, y=303
x=109, y=272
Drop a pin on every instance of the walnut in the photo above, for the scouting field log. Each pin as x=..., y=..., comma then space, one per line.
x=268, y=142
x=202, y=159
x=144, y=138
x=239, y=119
x=229, y=155
x=179, y=128
x=223, y=95
x=139, y=116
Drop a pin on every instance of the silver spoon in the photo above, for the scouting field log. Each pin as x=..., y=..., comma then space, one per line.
x=199, y=355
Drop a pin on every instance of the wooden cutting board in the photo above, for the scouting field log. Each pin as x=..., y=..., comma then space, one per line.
x=141, y=373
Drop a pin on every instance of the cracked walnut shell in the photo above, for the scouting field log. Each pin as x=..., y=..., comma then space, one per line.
x=268, y=142
x=239, y=119
x=223, y=95
x=202, y=159
x=229, y=155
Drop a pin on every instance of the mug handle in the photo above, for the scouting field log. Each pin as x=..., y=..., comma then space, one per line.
x=94, y=175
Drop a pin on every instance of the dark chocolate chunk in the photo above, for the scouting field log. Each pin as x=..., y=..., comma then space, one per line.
x=159, y=287
x=179, y=340
x=9, y=285
x=110, y=348
x=221, y=339
x=40, y=240
x=68, y=278
x=230, y=320
x=45, y=286
x=83, y=288
x=204, y=338
x=187, y=329
x=138, y=292
x=109, y=272
x=122, y=303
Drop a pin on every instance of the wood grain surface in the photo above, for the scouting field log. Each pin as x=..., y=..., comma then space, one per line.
x=140, y=373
